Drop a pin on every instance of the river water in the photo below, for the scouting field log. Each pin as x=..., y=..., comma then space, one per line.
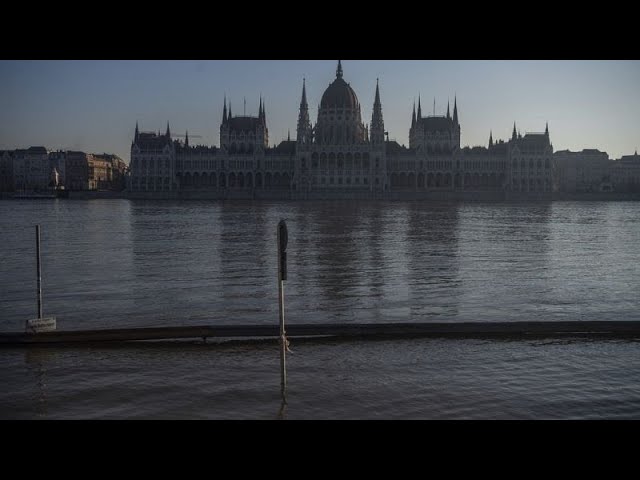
x=120, y=263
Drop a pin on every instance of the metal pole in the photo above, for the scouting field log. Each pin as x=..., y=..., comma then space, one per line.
x=283, y=338
x=39, y=272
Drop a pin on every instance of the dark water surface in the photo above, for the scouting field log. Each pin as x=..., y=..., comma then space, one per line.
x=119, y=263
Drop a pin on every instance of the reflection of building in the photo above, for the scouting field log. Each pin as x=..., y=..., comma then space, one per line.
x=340, y=156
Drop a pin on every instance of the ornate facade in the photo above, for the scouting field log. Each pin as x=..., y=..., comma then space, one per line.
x=339, y=157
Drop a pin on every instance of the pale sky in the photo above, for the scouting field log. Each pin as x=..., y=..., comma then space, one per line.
x=93, y=106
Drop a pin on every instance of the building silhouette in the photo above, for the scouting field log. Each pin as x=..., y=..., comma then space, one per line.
x=339, y=156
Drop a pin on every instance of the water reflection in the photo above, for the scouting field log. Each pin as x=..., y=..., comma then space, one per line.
x=432, y=261
x=245, y=282
x=141, y=263
x=174, y=253
x=504, y=253
x=337, y=254
x=36, y=360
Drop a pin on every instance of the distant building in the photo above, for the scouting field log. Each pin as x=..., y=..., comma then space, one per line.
x=340, y=156
x=6, y=171
x=108, y=172
x=36, y=168
x=31, y=169
x=585, y=171
x=625, y=174
x=57, y=162
x=76, y=171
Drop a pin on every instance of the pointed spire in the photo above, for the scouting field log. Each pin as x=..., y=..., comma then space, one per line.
x=229, y=117
x=514, y=135
x=264, y=112
x=168, y=134
x=135, y=138
x=304, y=131
x=289, y=135
x=260, y=108
x=303, y=101
x=413, y=116
x=455, y=110
x=339, y=69
x=377, y=122
x=224, y=111
x=546, y=130
x=490, y=138
x=186, y=139
x=419, y=109
x=448, y=114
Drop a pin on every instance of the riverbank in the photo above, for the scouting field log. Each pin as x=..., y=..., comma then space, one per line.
x=270, y=195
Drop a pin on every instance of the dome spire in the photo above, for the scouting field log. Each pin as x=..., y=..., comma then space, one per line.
x=339, y=70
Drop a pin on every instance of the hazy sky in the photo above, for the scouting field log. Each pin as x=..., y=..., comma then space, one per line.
x=94, y=105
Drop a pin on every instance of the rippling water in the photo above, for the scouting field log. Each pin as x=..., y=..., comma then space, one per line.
x=117, y=263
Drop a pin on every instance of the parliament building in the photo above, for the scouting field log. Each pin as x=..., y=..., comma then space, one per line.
x=340, y=157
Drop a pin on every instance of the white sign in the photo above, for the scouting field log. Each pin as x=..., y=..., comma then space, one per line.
x=45, y=324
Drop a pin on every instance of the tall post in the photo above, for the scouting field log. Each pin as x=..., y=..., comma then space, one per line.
x=283, y=238
x=39, y=272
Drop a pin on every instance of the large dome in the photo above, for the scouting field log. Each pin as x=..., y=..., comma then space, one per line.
x=339, y=94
